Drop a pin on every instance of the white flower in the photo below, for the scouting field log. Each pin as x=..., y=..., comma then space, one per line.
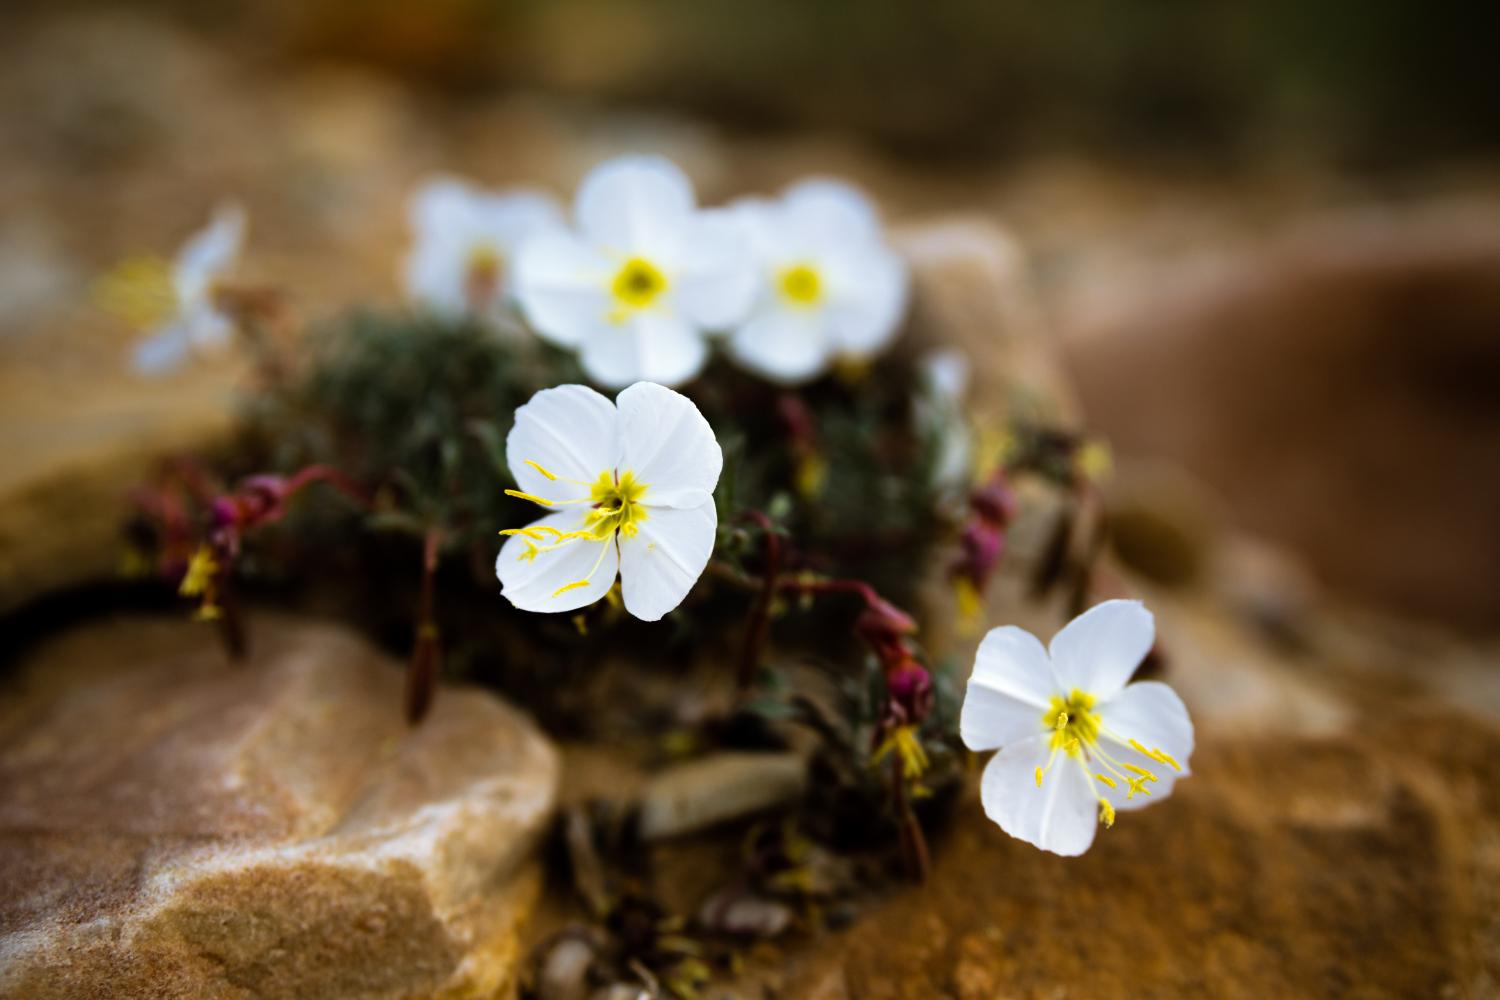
x=631, y=486
x=464, y=244
x=645, y=275
x=1076, y=742
x=940, y=415
x=193, y=320
x=829, y=285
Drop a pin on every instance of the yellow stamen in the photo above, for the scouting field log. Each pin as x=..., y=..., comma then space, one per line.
x=537, y=466
x=530, y=496
x=569, y=586
x=1106, y=813
x=1039, y=777
x=1106, y=779
x=200, y=573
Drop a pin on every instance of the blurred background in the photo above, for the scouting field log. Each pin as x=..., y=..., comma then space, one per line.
x=1265, y=238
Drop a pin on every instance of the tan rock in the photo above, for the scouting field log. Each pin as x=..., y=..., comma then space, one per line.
x=172, y=826
x=726, y=786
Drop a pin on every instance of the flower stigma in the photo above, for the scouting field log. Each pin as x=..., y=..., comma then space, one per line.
x=800, y=285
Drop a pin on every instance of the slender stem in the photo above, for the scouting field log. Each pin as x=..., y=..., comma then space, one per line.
x=913, y=842
x=333, y=477
x=426, y=656
x=759, y=625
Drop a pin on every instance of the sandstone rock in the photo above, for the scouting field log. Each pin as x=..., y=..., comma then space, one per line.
x=172, y=826
x=702, y=793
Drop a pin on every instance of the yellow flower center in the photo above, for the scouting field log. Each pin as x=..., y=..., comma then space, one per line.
x=1076, y=728
x=139, y=291
x=482, y=271
x=800, y=285
x=617, y=505
x=1073, y=722
x=614, y=508
x=638, y=284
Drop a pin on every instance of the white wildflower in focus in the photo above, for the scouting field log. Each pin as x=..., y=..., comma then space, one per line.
x=178, y=301
x=464, y=244
x=1077, y=743
x=641, y=279
x=944, y=377
x=629, y=489
x=829, y=286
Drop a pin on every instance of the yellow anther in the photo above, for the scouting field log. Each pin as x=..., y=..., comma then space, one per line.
x=569, y=586
x=1106, y=813
x=970, y=604
x=1039, y=777
x=1072, y=746
x=529, y=496
x=200, y=572
x=1145, y=774
x=1106, y=779
x=1062, y=721
x=537, y=466
x=1166, y=759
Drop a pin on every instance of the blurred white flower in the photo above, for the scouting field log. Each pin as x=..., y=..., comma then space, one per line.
x=939, y=408
x=178, y=301
x=630, y=484
x=829, y=286
x=645, y=274
x=1077, y=743
x=464, y=244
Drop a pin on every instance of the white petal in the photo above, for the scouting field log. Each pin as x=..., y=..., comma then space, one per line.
x=716, y=281
x=660, y=564
x=572, y=432
x=784, y=345
x=945, y=373
x=433, y=274
x=1099, y=650
x=669, y=446
x=533, y=584
x=1150, y=713
x=1009, y=690
x=635, y=204
x=1059, y=817
x=209, y=330
x=163, y=351
x=440, y=204
x=867, y=297
x=207, y=252
x=562, y=284
x=651, y=344
x=837, y=209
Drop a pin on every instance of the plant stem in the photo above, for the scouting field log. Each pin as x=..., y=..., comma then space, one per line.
x=759, y=625
x=426, y=655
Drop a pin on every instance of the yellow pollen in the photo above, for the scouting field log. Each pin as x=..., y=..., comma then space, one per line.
x=1062, y=720
x=638, y=284
x=905, y=743
x=538, y=467
x=569, y=586
x=529, y=496
x=1106, y=779
x=800, y=285
x=1160, y=756
x=1139, y=770
x=1039, y=777
x=1106, y=813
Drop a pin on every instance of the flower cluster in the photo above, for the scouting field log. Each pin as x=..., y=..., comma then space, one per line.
x=641, y=276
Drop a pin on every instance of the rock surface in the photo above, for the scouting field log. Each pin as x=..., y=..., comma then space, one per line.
x=171, y=826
